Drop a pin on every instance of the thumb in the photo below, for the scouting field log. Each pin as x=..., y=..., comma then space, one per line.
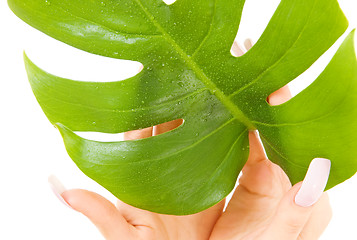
x=101, y=212
x=297, y=204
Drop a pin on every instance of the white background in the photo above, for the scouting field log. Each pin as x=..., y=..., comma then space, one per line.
x=31, y=149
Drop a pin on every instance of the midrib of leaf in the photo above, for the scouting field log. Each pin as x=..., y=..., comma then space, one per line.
x=235, y=111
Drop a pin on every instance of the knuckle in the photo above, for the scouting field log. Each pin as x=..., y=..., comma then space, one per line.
x=293, y=227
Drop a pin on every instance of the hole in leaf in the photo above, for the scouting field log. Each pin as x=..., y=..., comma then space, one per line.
x=169, y=2
x=102, y=137
x=312, y=73
x=65, y=61
x=131, y=135
x=256, y=13
x=305, y=79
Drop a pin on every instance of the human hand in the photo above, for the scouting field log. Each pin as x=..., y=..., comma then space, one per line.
x=263, y=205
x=129, y=223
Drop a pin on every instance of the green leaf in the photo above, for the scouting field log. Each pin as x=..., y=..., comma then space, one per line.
x=189, y=73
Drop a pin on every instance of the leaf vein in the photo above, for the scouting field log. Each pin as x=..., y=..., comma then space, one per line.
x=209, y=31
x=280, y=154
x=136, y=109
x=174, y=153
x=277, y=62
x=220, y=164
x=304, y=122
x=228, y=153
x=126, y=34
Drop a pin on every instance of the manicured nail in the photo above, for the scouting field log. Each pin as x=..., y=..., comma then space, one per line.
x=237, y=50
x=314, y=182
x=141, y=68
x=57, y=188
x=248, y=43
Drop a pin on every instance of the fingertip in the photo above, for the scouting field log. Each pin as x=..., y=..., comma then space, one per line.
x=280, y=96
x=237, y=50
x=100, y=211
x=314, y=182
x=86, y=202
x=73, y=197
x=248, y=44
x=141, y=67
x=58, y=189
x=256, y=149
x=303, y=195
x=298, y=203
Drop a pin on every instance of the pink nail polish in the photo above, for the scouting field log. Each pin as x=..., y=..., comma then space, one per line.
x=314, y=182
x=248, y=44
x=57, y=188
x=237, y=50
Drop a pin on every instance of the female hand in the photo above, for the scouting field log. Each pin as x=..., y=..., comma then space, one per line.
x=129, y=223
x=264, y=206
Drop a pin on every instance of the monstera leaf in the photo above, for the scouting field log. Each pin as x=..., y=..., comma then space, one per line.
x=189, y=73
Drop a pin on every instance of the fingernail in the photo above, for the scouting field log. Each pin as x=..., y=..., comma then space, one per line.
x=141, y=68
x=237, y=50
x=57, y=188
x=248, y=44
x=314, y=182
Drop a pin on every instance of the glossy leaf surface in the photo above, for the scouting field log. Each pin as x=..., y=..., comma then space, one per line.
x=189, y=73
